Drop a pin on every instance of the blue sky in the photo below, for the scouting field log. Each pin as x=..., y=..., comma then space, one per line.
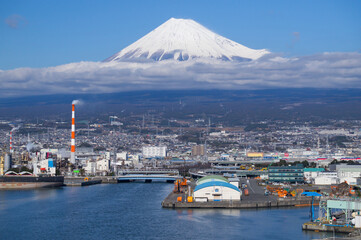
x=49, y=33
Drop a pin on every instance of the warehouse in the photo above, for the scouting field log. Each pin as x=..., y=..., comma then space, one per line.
x=214, y=189
x=211, y=178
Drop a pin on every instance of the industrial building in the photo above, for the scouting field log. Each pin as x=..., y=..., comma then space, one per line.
x=288, y=174
x=326, y=180
x=211, y=178
x=311, y=173
x=216, y=188
x=348, y=171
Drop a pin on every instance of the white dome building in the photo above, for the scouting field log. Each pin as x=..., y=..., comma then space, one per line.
x=215, y=188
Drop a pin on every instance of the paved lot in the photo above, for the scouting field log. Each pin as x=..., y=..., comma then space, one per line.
x=256, y=192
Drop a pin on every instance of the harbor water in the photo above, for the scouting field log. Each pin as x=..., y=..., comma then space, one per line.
x=133, y=211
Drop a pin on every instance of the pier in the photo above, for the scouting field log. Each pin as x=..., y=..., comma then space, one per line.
x=320, y=227
x=255, y=199
x=86, y=181
x=171, y=202
x=80, y=181
x=336, y=215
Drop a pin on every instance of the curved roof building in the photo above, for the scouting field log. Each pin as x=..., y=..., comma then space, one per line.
x=211, y=178
x=216, y=184
x=215, y=188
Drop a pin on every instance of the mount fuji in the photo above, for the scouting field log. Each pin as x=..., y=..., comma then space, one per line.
x=182, y=40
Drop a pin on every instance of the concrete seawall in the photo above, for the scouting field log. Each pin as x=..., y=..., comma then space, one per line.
x=77, y=181
x=234, y=204
x=86, y=181
x=106, y=179
x=170, y=202
x=319, y=227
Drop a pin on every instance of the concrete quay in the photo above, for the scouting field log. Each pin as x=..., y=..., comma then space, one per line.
x=80, y=181
x=321, y=227
x=106, y=179
x=171, y=202
x=86, y=181
x=255, y=199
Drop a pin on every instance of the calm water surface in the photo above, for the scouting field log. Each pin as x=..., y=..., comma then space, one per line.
x=133, y=211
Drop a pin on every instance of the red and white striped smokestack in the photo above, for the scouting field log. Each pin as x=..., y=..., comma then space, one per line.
x=11, y=141
x=72, y=148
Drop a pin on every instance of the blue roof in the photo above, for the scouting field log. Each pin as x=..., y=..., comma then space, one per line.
x=215, y=183
x=311, y=194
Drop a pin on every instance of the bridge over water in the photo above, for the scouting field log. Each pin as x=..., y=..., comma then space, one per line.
x=148, y=178
x=148, y=171
x=159, y=175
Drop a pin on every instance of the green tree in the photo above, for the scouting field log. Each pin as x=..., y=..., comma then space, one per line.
x=305, y=164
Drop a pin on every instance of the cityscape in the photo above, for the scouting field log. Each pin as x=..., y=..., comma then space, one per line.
x=148, y=140
x=180, y=120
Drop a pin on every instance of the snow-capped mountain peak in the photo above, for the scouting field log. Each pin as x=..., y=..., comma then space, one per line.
x=184, y=39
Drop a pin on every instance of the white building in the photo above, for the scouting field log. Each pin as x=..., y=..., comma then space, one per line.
x=328, y=174
x=234, y=181
x=135, y=159
x=107, y=155
x=351, y=180
x=44, y=166
x=326, y=180
x=216, y=188
x=103, y=165
x=348, y=171
x=154, y=151
x=311, y=173
x=122, y=156
x=90, y=168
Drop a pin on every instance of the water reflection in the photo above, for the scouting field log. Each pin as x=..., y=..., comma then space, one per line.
x=14, y=198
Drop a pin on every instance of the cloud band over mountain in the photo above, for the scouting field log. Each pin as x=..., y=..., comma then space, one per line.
x=326, y=70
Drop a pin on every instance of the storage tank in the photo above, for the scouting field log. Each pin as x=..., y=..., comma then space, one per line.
x=7, y=162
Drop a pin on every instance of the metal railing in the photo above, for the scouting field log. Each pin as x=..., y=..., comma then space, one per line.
x=148, y=172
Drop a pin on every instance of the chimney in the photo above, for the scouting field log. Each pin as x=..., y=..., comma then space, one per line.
x=11, y=141
x=72, y=149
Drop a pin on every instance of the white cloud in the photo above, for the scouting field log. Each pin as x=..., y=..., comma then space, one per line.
x=15, y=21
x=326, y=70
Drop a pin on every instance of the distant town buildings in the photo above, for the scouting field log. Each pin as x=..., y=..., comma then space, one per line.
x=198, y=150
x=150, y=141
x=154, y=151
